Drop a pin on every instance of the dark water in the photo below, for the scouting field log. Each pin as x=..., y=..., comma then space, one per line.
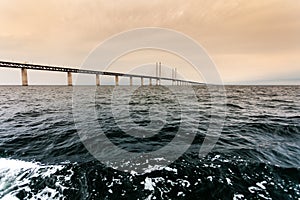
x=256, y=157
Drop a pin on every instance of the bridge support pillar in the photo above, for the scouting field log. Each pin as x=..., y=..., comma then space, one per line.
x=69, y=75
x=142, y=81
x=117, y=80
x=24, y=77
x=97, y=80
x=150, y=81
x=130, y=80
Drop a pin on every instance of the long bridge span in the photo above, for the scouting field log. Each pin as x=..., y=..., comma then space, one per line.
x=26, y=66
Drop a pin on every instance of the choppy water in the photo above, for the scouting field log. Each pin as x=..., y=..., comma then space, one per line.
x=256, y=157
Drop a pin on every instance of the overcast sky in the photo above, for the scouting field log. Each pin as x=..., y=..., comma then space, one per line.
x=252, y=42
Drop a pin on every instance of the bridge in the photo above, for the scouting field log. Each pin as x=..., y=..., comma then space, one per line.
x=26, y=66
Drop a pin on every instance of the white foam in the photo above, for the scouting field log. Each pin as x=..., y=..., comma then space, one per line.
x=238, y=196
x=180, y=194
x=159, y=159
x=15, y=164
x=216, y=157
x=183, y=182
x=133, y=173
x=9, y=197
x=261, y=185
x=46, y=193
x=15, y=176
x=158, y=167
x=252, y=189
x=228, y=181
x=210, y=178
x=264, y=197
x=149, y=197
x=148, y=184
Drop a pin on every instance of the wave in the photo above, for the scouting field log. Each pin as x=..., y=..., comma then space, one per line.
x=20, y=179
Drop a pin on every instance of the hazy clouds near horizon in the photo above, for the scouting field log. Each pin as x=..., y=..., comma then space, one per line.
x=250, y=41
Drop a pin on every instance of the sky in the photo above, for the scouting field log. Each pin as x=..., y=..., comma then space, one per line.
x=250, y=42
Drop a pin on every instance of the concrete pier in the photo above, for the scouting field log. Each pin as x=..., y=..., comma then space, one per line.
x=150, y=81
x=174, y=72
x=156, y=73
x=97, y=80
x=159, y=73
x=69, y=74
x=130, y=80
x=24, y=77
x=117, y=80
x=142, y=81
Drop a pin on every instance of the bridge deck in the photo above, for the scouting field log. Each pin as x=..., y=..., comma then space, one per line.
x=5, y=64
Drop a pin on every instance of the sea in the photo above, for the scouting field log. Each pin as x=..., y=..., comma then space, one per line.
x=49, y=148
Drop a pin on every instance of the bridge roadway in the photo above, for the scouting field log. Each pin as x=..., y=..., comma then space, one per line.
x=25, y=66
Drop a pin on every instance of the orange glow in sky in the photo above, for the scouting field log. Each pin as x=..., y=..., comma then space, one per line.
x=253, y=42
